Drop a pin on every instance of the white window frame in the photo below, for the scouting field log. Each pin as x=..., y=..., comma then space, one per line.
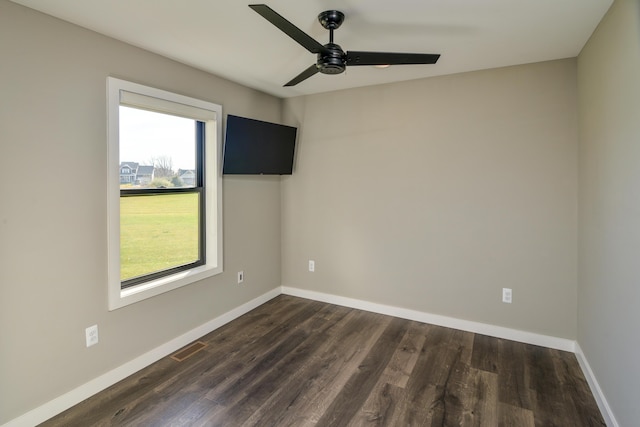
x=167, y=102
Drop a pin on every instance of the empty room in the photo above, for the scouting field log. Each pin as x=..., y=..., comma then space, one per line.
x=319, y=213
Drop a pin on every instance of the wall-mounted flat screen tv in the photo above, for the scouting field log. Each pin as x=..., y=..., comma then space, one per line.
x=254, y=147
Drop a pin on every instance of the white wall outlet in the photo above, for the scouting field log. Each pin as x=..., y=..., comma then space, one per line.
x=91, y=334
x=507, y=295
x=312, y=265
x=240, y=276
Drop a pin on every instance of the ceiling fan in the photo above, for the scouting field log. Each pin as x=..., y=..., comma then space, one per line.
x=331, y=58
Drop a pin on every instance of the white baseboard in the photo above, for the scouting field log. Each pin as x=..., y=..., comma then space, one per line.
x=601, y=400
x=436, y=319
x=67, y=400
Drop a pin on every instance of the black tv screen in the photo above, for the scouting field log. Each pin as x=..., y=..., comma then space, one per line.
x=255, y=147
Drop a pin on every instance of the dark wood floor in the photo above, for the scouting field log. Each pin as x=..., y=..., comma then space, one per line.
x=296, y=362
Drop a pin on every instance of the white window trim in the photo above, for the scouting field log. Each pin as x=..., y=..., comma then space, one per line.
x=119, y=297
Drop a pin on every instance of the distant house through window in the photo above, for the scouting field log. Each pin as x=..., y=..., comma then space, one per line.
x=188, y=177
x=136, y=174
x=164, y=210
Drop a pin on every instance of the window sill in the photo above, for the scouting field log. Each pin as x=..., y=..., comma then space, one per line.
x=119, y=298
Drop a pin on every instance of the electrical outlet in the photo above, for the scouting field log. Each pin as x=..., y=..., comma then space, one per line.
x=240, y=276
x=91, y=335
x=312, y=265
x=507, y=295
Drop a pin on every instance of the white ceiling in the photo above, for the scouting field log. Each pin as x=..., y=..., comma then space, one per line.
x=227, y=38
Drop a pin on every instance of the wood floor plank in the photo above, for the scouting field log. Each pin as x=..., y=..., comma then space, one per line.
x=315, y=386
x=405, y=357
x=482, y=398
x=415, y=409
x=424, y=388
x=575, y=389
x=485, y=353
x=454, y=402
x=175, y=396
x=297, y=362
x=235, y=393
x=354, y=393
x=560, y=399
x=513, y=374
x=464, y=341
x=448, y=408
x=469, y=398
x=511, y=416
x=273, y=374
x=549, y=407
x=380, y=405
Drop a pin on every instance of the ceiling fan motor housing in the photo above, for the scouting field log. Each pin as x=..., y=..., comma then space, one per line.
x=332, y=59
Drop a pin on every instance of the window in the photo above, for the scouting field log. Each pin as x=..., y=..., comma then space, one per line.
x=165, y=225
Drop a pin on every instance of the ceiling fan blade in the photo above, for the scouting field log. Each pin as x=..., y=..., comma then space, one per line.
x=390, y=58
x=303, y=75
x=288, y=28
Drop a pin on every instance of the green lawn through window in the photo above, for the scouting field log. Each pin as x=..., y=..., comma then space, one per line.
x=157, y=232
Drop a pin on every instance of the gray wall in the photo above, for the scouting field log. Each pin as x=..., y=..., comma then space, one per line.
x=435, y=194
x=53, y=225
x=609, y=272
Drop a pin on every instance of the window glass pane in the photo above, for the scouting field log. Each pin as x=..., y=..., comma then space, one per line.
x=158, y=232
x=157, y=150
